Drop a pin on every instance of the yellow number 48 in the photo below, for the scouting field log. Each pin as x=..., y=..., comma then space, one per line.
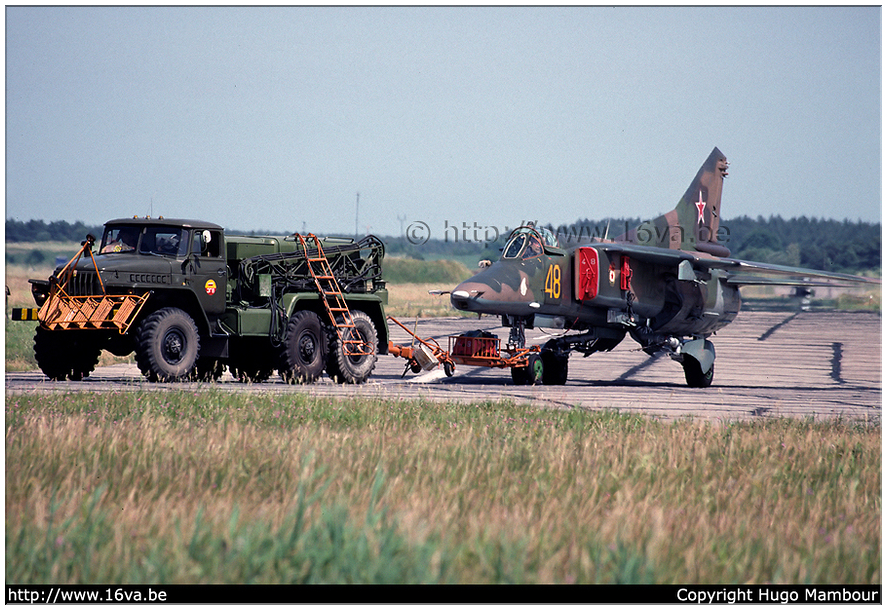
x=553, y=282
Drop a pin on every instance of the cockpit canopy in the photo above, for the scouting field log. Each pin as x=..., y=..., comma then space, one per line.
x=527, y=242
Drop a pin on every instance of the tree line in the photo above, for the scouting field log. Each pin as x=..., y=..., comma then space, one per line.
x=826, y=244
x=18, y=231
x=831, y=245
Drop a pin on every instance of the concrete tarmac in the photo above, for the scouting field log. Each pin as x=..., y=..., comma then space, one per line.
x=818, y=365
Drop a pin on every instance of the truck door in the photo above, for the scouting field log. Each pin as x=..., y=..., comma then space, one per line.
x=207, y=268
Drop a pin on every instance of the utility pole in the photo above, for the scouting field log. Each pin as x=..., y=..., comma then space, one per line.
x=356, y=212
x=401, y=219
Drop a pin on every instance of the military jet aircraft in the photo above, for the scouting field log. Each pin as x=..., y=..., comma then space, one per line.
x=669, y=284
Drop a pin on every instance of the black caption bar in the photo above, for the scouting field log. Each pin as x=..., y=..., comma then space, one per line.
x=476, y=594
x=85, y=594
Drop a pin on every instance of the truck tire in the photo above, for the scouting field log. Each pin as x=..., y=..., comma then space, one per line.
x=343, y=368
x=167, y=345
x=62, y=355
x=304, y=348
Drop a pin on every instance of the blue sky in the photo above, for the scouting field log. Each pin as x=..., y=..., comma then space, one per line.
x=275, y=118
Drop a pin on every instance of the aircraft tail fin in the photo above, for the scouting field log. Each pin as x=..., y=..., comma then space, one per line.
x=694, y=223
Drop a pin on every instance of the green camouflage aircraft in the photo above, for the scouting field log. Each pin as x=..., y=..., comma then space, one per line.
x=669, y=284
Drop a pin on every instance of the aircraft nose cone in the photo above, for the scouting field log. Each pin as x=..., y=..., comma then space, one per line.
x=464, y=296
x=497, y=290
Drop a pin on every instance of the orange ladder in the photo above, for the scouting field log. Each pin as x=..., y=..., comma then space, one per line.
x=333, y=300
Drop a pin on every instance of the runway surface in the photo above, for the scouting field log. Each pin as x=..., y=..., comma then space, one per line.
x=805, y=364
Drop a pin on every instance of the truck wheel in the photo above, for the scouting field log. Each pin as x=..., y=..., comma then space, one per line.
x=344, y=368
x=167, y=345
x=62, y=355
x=87, y=354
x=304, y=349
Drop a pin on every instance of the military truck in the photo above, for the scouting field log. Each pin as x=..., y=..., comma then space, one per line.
x=190, y=301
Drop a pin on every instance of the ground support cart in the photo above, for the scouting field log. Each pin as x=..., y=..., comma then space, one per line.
x=474, y=348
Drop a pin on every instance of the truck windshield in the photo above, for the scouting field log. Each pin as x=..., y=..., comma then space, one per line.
x=119, y=239
x=171, y=241
x=168, y=241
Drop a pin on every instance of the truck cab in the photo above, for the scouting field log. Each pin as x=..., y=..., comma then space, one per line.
x=144, y=254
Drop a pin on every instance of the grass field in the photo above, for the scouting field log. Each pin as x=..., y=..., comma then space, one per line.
x=209, y=487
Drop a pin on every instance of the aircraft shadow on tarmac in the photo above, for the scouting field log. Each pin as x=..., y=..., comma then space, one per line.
x=482, y=377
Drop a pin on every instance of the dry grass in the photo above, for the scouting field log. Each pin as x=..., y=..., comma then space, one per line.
x=19, y=336
x=845, y=298
x=19, y=288
x=156, y=487
x=407, y=301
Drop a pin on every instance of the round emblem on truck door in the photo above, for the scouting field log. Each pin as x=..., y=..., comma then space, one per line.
x=210, y=287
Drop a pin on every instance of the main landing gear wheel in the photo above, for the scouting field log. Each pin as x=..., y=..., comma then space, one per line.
x=532, y=374
x=555, y=364
x=694, y=375
x=304, y=349
x=167, y=344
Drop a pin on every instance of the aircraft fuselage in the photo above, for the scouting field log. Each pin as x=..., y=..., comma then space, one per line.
x=588, y=287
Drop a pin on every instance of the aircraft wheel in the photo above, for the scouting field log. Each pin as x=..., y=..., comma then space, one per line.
x=532, y=374
x=555, y=364
x=694, y=375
